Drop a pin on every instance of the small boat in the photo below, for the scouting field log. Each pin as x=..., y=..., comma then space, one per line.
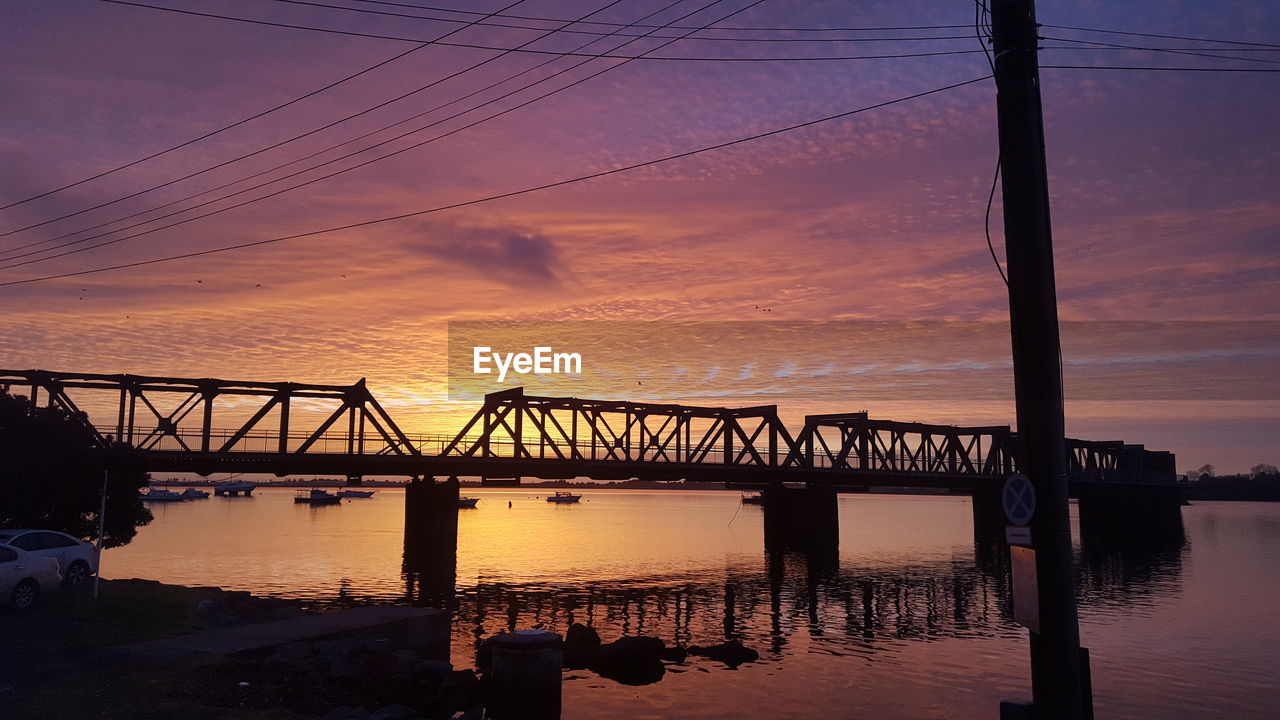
x=317, y=497
x=467, y=502
x=355, y=493
x=752, y=498
x=194, y=494
x=233, y=488
x=161, y=495
x=563, y=496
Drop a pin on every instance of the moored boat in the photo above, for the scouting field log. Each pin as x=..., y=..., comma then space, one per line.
x=467, y=502
x=234, y=488
x=355, y=493
x=317, y=497
x=563, y=496
x=194, y=494
x=161, y=495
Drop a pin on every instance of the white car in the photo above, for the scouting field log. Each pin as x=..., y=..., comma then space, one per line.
x=77, y=558
x=24, y=575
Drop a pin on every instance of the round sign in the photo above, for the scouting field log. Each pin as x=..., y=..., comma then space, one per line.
x=1019, y=499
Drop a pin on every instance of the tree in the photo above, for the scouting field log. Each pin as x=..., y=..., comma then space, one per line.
x=51, y=474
x=1205, y=471
x=1263, y=469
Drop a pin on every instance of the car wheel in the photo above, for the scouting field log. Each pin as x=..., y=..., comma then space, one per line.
x=24, y=594
x=77, y=573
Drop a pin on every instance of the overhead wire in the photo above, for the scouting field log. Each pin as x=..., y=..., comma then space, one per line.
x=1159, y=68
x=311, y=3
x=329, y=162
x=475, y=46
x=1173, y=51
x=281, y=166
x=1158, y=35
x=13, y=257
x=676, y=27
x=240, y=122
x=500, y=196
x=983, y=33
x=280, y=143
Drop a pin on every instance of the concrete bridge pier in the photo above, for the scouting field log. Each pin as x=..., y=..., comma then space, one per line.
x=805, y=519
x=1149, y=515
x=988, y=520
x=431, y=538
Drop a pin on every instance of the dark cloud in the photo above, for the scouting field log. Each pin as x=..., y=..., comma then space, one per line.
x=514, y=256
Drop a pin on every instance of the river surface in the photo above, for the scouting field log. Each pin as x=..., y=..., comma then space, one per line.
x=908, y=621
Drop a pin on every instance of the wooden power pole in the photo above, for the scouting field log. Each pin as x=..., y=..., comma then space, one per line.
x=1056, y=671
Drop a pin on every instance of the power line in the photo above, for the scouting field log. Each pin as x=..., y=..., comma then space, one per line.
x=290, y=175
x=343, y=157
x=296, y=160
x=284, y=142
x=1164, y=37
x=1175, y=51
x=240, y=122
x=477, y=46
x=514, y=193
x=312, y=132
x=979, y=10
x=1131, y=47
x=1169, y=69
x=675, y=27
x=986, y=223
x=310, y=3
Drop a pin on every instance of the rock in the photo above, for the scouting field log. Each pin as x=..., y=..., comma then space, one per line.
x=732, y=653
x=406, y=660
x=378, y=664
x=341, y=713
x=675, y=655
x=629, y=660
x=458, y=689
x=580, y=637
x=434, y=670
x=392, y=712
x=484, y=653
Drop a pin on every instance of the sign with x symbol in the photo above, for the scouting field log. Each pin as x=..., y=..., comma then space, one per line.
x=1019, y=499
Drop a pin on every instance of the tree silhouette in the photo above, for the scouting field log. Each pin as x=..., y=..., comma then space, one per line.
x=1205, y=471
x=1263, y=469
x=51, y=475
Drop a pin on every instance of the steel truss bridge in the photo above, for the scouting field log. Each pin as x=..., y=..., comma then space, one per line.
x=295, y=428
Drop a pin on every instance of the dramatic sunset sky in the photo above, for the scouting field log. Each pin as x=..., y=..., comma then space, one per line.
x=848, y=239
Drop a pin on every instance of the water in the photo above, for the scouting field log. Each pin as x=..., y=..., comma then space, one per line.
x=908, y=622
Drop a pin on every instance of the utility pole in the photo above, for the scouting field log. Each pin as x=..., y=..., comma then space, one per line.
x=1056, y=676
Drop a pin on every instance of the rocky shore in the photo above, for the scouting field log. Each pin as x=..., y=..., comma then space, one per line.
x=377, y=675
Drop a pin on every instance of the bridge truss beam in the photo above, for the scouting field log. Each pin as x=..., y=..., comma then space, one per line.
x=147, y=417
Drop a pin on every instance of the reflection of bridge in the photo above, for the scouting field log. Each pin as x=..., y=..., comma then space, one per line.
x=293, y=428
x=869, y=608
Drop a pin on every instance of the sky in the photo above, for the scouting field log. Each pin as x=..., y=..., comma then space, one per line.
x=844, y=263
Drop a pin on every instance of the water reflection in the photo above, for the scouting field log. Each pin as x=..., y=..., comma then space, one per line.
x=791, y=602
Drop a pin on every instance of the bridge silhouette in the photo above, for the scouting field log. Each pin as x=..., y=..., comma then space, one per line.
x=177, y=425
